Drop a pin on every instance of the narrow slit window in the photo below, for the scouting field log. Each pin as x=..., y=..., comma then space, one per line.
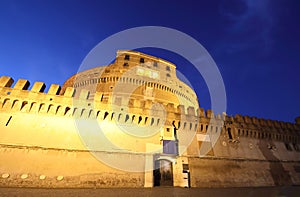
x=229, y=133
x=8, y=121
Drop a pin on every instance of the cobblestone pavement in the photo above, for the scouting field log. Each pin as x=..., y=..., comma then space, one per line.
x=165, y=191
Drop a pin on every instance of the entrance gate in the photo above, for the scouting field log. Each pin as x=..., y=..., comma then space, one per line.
x=163, y=173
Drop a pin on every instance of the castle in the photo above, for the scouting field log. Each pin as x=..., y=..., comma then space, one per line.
x=133, y=123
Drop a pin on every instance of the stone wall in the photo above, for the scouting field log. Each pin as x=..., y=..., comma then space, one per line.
x=42, y=167
x=230, y=172
x=42, y=147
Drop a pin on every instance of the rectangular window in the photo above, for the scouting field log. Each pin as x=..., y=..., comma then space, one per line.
x=127, y=57
x=142, y=60
x=168, y=68
x=185, y=167
x=169, y=147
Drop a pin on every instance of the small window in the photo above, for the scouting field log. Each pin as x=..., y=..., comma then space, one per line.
x=168, y=129
x=168, y=75
x=168, y=68
x=142, y=60
x=229, y=133
x=125, y=64
x=127, y=57
x=155, y=64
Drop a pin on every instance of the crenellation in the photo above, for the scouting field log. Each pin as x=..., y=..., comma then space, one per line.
x=171, y=108
x=201, y=112
x=191, y=111
x=21, y=84
x=38, y=87
x=269, y=123
x=84, y=94
x=210, y=113
x=180, y=109
x=6, y=81
x=282, y=125
x=247, y=120
x=239, y=118
x=261, y=122
x=254, y=120
x=54, y=89
x=69, y=92
x=218, y=116
x=263, y=129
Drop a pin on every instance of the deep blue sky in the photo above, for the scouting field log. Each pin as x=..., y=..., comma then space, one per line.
x=255, y=44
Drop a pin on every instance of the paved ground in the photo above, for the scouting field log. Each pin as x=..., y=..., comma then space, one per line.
x=256, y=192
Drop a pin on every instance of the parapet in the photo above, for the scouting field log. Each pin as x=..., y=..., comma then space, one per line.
x=22, y=84
x=63, y=102
x=260, y=122
x=35, y=100
x=6, y=81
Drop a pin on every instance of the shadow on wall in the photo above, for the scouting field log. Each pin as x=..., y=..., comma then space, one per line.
x=279, y=174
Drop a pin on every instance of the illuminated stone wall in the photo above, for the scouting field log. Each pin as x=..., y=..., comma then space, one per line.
x=40, y=138
x=48, y=139
x=151, y=78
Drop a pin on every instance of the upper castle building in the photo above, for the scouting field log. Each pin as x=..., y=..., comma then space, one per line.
x=145, y=75
x=133, y=123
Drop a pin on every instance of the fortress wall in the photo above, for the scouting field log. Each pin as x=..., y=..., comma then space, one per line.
x=244, y=138
x=245, y=148
x=44, y=119
x=47, y=120
x=79, y=134
x=218, y=172
x=45, y=131
x=81, y=169
x=246, y=159
x=253, y=149
x=35, y=101
x=76, y=168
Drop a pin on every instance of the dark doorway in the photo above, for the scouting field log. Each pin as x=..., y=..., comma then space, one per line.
x=163, y=173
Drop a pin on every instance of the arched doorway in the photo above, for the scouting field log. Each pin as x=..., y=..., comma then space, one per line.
x=163, y=173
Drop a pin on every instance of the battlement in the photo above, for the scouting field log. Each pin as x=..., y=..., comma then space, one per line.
x=63, y=103
x=260, y=122
x=55, y=102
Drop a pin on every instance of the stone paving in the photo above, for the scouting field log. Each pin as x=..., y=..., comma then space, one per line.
x=145, y=192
